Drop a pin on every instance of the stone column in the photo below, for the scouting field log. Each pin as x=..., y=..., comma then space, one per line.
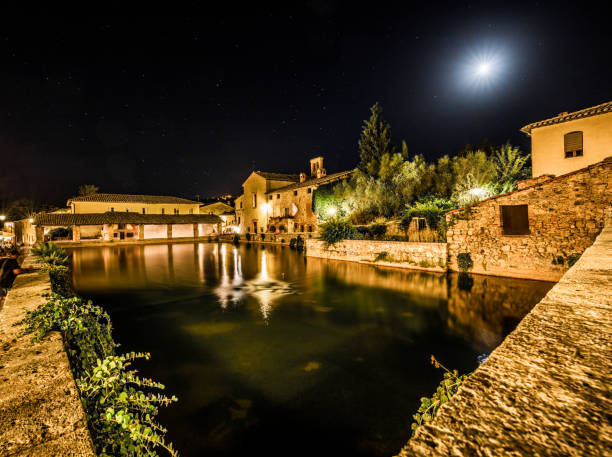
x=141, y=232
x=218, y=229
x=40, y=234
x=169, y=235
x=76, y=233
x=196, y=231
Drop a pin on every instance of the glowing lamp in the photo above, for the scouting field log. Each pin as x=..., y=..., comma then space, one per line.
x=2, y=217
x=332, y=210
x=30, y=220
x=479, y=192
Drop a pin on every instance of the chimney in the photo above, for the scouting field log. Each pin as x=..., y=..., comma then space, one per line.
x=564, y=113
x=302, y=177
x=315, y=164
x=321, y=172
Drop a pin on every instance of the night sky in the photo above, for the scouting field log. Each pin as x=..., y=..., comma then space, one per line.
x=188, y=105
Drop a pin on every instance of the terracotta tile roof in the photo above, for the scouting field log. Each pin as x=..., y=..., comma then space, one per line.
x=278, y=176
x=316, y=182
x=605, y=162
x=564, y=117
x=128, y=198
x=66, y=219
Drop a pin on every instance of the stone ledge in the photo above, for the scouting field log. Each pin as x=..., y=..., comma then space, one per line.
x=546, y=389
x=40, y=409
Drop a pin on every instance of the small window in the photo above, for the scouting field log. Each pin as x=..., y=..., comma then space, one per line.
x=112, y=210
x=115, y=235
x=271, y=196
x=309, y=190
x=310, y=228
x=254, y=200
x=238, y=220
x=286, y=211
x=277, y=196
x=573, y=144
x=240, y=205
x=129, y=234
x=515, y=220
x=163, y=210
x=301, y=228
x=421, y=223
x=176, y=211
x=144, y=211
x=127, y=210
x=295, y=192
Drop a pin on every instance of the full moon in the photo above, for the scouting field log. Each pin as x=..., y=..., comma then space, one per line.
x=484, y=69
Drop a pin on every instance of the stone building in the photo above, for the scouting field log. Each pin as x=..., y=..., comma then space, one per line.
x=119, y=217
x=537, y=231
x=282, y=203
x=225, y=212
x=571, y=141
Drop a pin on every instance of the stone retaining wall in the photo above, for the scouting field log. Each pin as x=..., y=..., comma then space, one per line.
x=420, y=256
x=565, y=215
x=545, y=391
x=40, y=409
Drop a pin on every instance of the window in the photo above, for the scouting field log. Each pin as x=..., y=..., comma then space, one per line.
x=286, y=211
x=421, y=223
x=573, y=144
x=271, y=197
x=309, y=190
x=238, y=220
x=295, y=192
x=310, y=228
x=112, y=210
x=176, y=211
x=240, y=204
x=277, y=196
x=301, y=228
x=254, y=200
x=515, y=220
x=163, y=210
x=130, y=234
x=144, y=211
x=248, y=229
x=127, y=210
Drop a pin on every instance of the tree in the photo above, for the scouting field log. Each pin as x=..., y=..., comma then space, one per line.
x=88, y=189
x=473, y=172
x=510, y=164
x=374, y=142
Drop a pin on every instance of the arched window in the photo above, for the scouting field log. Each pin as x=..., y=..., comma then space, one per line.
x=573, y=144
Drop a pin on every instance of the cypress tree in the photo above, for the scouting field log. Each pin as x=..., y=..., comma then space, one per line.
x=374, y=142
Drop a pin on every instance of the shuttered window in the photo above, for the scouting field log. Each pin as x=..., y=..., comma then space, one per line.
x=515, y=220
x=573, y=144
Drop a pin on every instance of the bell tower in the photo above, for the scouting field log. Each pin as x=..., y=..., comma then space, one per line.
x=316, y=164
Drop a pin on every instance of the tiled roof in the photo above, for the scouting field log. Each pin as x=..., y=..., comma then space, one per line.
x=127, y=198
x=564, y=117
x=278, y=176
x=66, y=219
x=315, y=181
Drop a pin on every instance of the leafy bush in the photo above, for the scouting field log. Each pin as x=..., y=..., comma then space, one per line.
x=263, y=236
x=297, y=243
x=383, y=256
x=50, y=255
x=464, y=261
x=572, y=259
x=377, y=231
x=247, y=235
x=60, y=232
x=446, y=390
x=236, y=239
x=431, y=208
x=335, y=231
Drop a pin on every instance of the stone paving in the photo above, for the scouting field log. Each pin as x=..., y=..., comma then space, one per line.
x=547, y=389
x=40, y=410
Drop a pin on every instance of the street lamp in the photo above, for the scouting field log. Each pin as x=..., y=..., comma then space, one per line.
x=332, y=210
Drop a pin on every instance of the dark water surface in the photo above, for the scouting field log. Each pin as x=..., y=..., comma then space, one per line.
x=271, y=353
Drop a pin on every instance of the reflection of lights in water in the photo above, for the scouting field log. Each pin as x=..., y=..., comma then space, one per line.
x=263, y=288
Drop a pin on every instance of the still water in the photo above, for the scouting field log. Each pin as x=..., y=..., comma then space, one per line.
x=272, y=353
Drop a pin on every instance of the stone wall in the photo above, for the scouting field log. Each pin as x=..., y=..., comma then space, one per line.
x=565, y=215
x=545, y=391
x=40, y=409
x=422, y=256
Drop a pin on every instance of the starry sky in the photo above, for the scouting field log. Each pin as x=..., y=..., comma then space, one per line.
x=189, y=105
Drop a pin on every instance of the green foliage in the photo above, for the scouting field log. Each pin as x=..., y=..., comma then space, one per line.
x=572, y=259
x=120, y=414
x=377, y=231
x=324, y=198
x=123, y=421
x=88, y=189
x=50, y=255
x=236, y=239
x=247, y=235
x=263, y=236
x=510, y=164
x=383, y=256
x=464, y=261
x=297, y=243
x=335, y=231
x=375, y=142
x=431, y=208
x=445, y=391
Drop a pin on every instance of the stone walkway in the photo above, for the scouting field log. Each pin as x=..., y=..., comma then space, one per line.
x=547, y=389
x=40, y=410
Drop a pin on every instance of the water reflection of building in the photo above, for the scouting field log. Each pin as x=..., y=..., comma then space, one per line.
x=484, y=309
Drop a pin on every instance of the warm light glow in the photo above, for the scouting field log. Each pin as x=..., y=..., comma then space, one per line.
x=2, y=217
x=265, y=206
x=479, y=192
x=236, y=228
x=30, y=220
x=332, y=210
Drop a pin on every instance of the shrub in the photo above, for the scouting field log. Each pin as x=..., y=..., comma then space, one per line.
x=383, y=256
x=377, y=231
x=50, y=255
x=247, y=235
x=292, y=243
x=445, y=391
x=464, y=261
x=236, y=239
x=335, y=231
x=432, y=209
x=572, y=259
x=299, y=243
x=263, y=236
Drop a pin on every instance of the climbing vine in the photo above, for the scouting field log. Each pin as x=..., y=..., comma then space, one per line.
x=120, y=406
